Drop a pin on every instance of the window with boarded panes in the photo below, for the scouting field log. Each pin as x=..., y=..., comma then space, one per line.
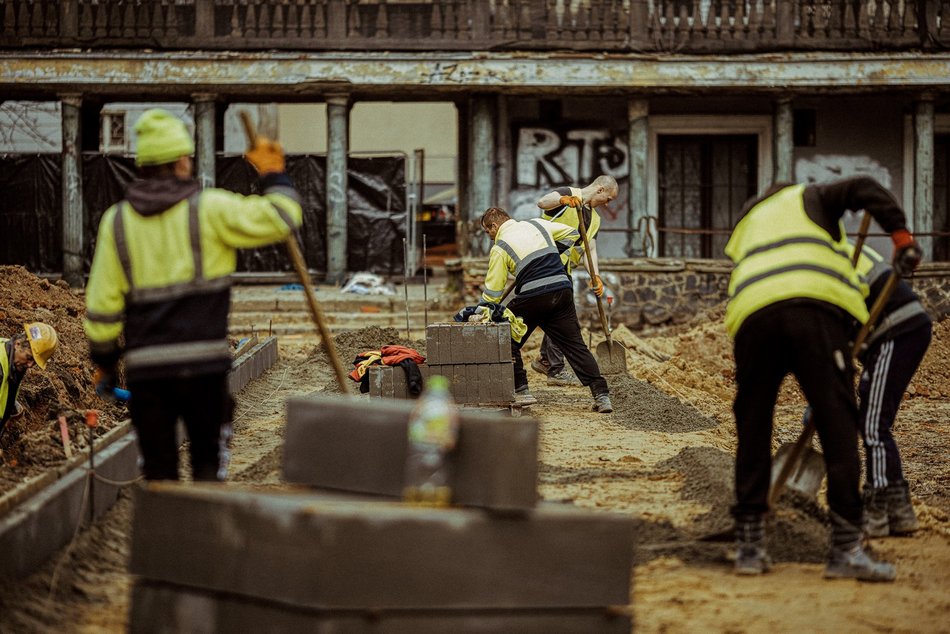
x=703, y=182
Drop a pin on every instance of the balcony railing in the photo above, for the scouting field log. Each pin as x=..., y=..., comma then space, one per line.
x=682, y=26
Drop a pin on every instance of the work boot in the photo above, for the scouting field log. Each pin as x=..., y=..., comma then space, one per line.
x=563, y=378
x=901, y=518
x=524, y=397
x=539, y=366
x=751, y=557
x=602, y=404
x=875, y=512
x=848, y=558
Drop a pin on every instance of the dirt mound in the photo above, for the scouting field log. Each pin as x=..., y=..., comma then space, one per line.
x=31, y=443
x=639, y=405
x=797, y=532
x=352, y=342
x=931, y=378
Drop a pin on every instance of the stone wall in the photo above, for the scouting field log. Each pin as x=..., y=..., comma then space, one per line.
x=659, y=292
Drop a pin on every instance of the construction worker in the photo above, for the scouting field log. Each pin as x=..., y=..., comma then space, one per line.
x=544, y=295
x=892, y=355
x=161, y=272
x=794, y=302
x=35, y=345
x=561, y=206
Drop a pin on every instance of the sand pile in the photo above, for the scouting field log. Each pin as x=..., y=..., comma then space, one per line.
x=639, y=405
x=797, y=532
x=933, y=377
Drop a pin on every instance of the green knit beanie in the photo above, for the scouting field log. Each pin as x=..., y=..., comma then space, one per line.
x=162, y=138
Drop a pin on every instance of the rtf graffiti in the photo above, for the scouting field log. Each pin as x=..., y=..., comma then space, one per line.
x=548, y=158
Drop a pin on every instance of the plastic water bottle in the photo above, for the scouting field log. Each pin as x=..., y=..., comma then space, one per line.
x=433, y=432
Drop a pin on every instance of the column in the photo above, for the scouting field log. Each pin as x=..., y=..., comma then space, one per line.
x=338, y=125
x=463, y=212
x=482, y=161
x=504, y=153
x=72, y=191
x=204, y=139
x=783, y=142
x=638, y=184
x=923, y=215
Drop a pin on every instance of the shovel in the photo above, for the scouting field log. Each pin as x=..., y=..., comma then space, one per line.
x=611, y=355
x=296, y=257
x=797, y=465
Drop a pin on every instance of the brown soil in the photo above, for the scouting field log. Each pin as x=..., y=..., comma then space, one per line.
x=31, y=444
x=671, y=473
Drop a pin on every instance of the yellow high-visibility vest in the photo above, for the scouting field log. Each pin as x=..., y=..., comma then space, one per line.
x=780, y=254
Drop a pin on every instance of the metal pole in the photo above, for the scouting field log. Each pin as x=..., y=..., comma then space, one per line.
x=405, y=282
x=425, y=283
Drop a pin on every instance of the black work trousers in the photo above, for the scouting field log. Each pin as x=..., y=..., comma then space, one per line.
x=554, y=313
x=204, y=406
x=551, y=356
x=810, y=339
x=890, y=365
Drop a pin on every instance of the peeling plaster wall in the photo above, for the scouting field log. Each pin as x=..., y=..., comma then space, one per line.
x=856, y=136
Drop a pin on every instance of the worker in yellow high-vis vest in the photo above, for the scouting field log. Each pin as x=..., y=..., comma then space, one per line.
x=561, y=205
x=33, y=346
x=161, y=276
x=795, y=302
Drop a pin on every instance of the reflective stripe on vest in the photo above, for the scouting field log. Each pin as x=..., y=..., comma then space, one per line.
x=173, y=291
x=781, y=254
x=4, y=376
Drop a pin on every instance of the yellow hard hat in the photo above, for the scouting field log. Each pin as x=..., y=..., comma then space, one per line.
x=43, y=341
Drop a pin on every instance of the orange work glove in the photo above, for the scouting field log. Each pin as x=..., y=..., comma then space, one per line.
x=907, y=252
x=266, y=156
x=597, y=285
x=571, y=201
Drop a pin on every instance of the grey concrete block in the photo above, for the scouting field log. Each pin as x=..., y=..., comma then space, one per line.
x=503, y=339
x=159, y=608
x=301, y=549
x=34, y=530
x=360, y=446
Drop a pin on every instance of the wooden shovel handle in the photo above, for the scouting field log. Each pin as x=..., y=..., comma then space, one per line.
x=590, y=267
x=296, y=257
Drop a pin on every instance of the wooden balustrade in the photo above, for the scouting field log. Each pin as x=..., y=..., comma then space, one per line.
x=688, y=26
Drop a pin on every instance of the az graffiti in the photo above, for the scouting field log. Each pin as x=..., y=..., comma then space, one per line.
x=547, y=158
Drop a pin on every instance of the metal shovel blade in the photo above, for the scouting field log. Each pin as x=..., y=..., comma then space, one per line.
x=805, y=477
x=611, y=357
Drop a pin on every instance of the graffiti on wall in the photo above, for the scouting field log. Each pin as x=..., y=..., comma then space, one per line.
x=547, y=158
x=824, y=168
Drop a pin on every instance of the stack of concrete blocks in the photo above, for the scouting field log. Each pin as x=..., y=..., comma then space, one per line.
x=474, y=357
x=340, y=554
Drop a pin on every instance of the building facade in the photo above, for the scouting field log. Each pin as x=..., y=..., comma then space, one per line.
x=694, y=105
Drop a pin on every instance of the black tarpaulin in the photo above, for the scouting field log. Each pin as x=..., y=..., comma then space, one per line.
x=31, y=190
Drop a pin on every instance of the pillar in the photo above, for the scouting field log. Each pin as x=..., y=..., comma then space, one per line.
x=783, y=142
x=205, y=139
x=73, y=225
x=638, y=185
x=504, y=153
x=482, y=161
x=338, y=125
x=923, y=216
x=483, y=155
x=463, y=212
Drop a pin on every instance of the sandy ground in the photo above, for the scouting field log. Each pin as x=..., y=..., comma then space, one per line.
x=671, y=473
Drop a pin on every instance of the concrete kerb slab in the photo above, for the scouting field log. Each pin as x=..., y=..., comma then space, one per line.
x=40, y=516
x=252, y=364
x=359, y=445
x=314, y=552
x=158, y=608
x=45, y=521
